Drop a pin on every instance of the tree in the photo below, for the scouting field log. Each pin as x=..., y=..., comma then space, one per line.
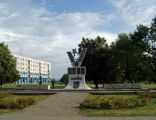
x=131, y=58
x=64, y=79
x=96, y=59
x=140, y=48
x=129, y=55
x=152, y=50
x=8, y=72
x=120, y=60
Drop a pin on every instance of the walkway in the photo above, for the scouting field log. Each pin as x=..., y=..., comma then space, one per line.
x=61, y=106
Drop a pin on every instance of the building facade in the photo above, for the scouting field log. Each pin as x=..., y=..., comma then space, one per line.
x=32, y=71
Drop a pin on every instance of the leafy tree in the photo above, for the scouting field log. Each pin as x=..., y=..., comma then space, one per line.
x=140, y=48
x=8, y=72
x=64, y=79
x=129, y=55
x=131, y=58
x=152, y=50
x=96, y=59
x=120, y=60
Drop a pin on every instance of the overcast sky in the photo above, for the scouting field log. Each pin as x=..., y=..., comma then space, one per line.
x=47, y=29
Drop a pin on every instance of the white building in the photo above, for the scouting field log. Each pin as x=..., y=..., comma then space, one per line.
x=32, y=71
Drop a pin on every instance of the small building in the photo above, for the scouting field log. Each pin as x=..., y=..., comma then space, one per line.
x=32, y=71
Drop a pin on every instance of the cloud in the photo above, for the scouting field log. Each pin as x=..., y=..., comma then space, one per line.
x=134, y=12
x=47, y=35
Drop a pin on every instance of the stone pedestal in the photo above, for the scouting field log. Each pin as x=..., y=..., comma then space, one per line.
x=77, y=82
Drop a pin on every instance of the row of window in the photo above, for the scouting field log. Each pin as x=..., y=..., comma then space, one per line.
x=22, y=68
x=31, y=65
x=31, y=61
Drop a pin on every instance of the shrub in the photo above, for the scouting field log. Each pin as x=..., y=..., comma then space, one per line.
x=30, y=101
x=115, y=102
x=23, y=102
x=17, y=103
x=13, y=105
x=2, y=95
x=3, y=105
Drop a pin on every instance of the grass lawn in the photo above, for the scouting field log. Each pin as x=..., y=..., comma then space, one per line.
x=147, y=110
x=143, y=86
x=10, y=86
x=37, y=98
x=59, y=85
x=7, y=87
x=148, y=86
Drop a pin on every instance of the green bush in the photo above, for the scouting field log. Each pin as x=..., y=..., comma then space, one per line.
x=114, y=102
x=3, y=105
x=13, y=105
x=3, y=95
x=17, y=103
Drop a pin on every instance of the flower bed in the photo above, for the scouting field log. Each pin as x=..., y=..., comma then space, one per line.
x=3, y=95
x=8, y=101
x=115, y=102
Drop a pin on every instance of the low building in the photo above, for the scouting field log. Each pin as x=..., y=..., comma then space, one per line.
x=32, y=71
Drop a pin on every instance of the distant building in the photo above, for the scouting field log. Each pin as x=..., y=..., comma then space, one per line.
x=32, y=71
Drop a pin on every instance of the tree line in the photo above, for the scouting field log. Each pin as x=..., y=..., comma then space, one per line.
x=131, y=58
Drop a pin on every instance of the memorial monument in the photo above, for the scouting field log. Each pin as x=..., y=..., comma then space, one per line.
x=77, y=72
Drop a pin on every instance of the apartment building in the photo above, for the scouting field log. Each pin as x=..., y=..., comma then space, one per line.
x=32, y=71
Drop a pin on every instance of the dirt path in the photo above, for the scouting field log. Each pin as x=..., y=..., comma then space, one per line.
x=59, y=105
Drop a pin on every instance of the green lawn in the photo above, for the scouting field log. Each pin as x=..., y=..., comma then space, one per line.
x=147, y=110
x=7, y=87
x=10, y=86
x=148, y=86
x=143, y=86
x=59, y=85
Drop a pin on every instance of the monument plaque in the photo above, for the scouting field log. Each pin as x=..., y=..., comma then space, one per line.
x=77, y=72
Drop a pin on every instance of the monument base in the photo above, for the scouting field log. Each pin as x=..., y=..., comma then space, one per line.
x=77, y=84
